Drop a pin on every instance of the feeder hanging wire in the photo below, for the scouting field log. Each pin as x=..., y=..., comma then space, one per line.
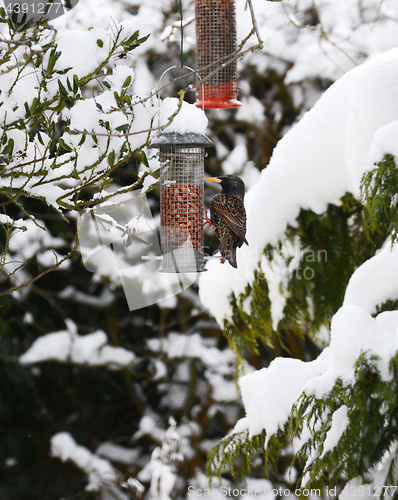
x=182, y=36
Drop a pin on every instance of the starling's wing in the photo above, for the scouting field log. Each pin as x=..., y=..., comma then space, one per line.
x=231, y=210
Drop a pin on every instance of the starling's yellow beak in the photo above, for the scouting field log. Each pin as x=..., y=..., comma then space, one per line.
x=214, y=179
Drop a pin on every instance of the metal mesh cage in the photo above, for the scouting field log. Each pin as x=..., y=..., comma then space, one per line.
x=181, y=201
x=216, y=43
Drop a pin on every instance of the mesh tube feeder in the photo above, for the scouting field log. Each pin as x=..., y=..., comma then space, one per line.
x=216, y=43
x=181, y=200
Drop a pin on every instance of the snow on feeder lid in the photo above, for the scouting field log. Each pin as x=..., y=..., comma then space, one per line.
x=216, y=43
x=181, y=200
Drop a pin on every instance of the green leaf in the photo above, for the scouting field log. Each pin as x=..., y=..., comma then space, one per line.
x=51, y=62
x=62, y=90
x=127, y=82
x=133, y=42
x=133, y=37
x=117, y=97
x=378, y=192
x=27, y=25
x=14, y=17
x=75, y=83
x=61, y=105
x=100, y=43
x=27, y=110
x=140, y=41
x=64, y=145
x=143, y=39
x=63, y=71
x=82, y=140
x=34, y=105
x=144, y=159
x=111, y=158
x=9, y=148
x=50, y=67
x=122, y=128
x=40, y=138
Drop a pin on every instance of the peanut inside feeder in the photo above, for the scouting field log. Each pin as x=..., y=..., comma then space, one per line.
x=216, y=43
x=181, y=201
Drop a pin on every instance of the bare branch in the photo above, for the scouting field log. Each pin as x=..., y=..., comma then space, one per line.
x=35, y=278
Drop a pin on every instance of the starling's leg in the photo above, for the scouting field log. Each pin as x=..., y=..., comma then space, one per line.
x=222, y=260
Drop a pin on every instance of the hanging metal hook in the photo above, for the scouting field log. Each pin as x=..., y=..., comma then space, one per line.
x=193, y=71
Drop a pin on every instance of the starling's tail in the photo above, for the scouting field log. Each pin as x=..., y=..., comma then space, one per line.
x=232, y=258
x=228, y=253
x=243, y=241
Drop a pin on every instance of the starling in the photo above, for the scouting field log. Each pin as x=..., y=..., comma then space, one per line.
x=228, y=216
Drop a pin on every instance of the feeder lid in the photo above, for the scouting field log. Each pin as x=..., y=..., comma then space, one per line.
x=177, y=139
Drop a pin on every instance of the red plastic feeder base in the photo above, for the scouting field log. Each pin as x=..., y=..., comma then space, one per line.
x=218, y=103
x=218, y=96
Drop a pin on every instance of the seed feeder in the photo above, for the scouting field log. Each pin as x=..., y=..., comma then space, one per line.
x=216, y=44
x=181, y=200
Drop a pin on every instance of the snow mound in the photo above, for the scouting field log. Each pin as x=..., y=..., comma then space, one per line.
x=66, y=346
x=189, y=117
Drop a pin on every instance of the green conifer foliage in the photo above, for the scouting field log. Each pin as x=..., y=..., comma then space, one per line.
x=372, y=430
x=350, y=234
x=372, y=411
x=331, y=246
x=379, y=190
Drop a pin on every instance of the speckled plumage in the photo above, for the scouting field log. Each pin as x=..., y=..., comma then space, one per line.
x=228, y=216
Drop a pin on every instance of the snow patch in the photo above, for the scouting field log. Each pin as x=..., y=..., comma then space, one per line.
x=189, y=117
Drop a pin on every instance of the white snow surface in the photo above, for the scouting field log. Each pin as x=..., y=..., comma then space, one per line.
x=365, y=289
x=67, y=346
x=351, y=28
x=164, y=462
x=5, y=219
x=35, y=238
x=98, y=470
x=340, y=422
x=177, y=345
x=268, y=394
x=219, y=364
x=355, y=489
x=189, y=117
x=117, y=453
x=384, y=141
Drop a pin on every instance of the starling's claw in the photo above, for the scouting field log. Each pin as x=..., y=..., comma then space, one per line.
x=208, y=221
x=222, y=260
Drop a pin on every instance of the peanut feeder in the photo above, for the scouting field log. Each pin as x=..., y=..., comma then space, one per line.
x=216, y=44
x=181, y=200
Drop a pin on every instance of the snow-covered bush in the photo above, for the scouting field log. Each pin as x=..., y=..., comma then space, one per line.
x=61, y=145
x=338, y=411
